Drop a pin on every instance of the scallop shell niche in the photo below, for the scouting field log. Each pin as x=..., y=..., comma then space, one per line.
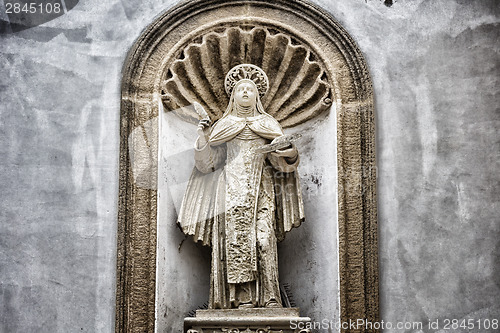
x=299, y=87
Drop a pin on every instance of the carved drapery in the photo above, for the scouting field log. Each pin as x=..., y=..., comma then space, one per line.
x=327, y=68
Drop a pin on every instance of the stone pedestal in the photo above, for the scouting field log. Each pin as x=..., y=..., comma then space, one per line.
x=257, y=320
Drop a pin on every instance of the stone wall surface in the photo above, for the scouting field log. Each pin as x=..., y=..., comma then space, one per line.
x=435, y=71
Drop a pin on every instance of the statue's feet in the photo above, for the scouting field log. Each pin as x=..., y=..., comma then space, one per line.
x=246, y=306
x=273, y=304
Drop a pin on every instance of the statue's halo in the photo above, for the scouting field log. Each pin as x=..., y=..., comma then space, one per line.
x=247, y=71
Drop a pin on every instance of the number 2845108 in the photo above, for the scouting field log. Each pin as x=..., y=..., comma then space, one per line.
x=471, y=324
x=33, y=8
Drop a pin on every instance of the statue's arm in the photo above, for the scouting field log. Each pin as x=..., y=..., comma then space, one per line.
x=286, y=159
x=207, y=158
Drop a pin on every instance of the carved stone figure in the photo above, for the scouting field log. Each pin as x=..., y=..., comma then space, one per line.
x=243, y=195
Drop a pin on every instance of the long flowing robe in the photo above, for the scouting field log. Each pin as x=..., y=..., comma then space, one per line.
x=242, y=203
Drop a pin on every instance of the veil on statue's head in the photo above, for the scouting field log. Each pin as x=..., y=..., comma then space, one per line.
x=246, y=73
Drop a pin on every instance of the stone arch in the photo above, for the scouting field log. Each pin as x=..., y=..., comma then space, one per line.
x=346, y=77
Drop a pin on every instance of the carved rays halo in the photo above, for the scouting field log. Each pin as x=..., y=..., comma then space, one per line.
x=298, y=85
x=247, y=71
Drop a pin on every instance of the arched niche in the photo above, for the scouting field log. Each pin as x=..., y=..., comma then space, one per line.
x=157, y=76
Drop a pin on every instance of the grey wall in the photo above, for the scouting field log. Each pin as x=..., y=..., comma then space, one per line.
x=435, y=69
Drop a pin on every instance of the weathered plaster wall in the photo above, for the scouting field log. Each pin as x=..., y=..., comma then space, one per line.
x=435, y=69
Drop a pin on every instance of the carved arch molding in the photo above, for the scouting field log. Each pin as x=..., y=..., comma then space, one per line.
x=312, y=63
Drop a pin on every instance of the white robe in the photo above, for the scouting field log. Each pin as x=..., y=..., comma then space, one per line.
x=234, y=197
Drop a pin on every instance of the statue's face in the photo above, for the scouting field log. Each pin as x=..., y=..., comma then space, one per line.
x=245, y=94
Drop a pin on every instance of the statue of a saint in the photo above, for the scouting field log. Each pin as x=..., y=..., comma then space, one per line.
x=243, y=195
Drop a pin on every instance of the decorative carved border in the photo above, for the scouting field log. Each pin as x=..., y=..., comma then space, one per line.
x=358, y=249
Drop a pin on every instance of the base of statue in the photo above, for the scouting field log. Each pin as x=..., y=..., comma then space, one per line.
x=254, y=320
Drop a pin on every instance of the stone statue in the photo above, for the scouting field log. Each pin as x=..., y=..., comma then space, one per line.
x=243, y=195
